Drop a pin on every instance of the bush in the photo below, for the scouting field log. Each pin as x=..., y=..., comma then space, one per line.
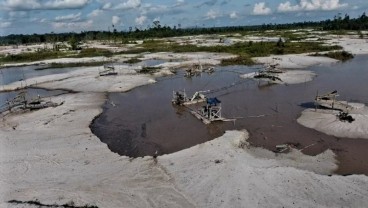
x=339, y=55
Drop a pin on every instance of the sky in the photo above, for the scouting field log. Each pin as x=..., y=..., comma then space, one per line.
x=46, y=16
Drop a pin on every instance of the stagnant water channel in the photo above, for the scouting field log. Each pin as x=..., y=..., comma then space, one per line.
x=144, y=122
x=21, y=73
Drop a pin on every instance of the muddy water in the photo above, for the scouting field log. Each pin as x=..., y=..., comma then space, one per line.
x=145, y=123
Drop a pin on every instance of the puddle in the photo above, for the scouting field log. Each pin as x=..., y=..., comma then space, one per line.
x=31, y=93
x=144, y=122
x=152, y=62
x=13, y=74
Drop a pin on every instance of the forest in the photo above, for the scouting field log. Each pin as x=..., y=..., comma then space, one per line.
x=339, y=23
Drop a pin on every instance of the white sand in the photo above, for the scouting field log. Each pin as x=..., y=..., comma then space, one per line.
x=87, y=79
x=177, y=60
x=326, y=121
x=62, y=61
x=351, y=44
x=53, y=157
x=287, y=77
x=295, y=61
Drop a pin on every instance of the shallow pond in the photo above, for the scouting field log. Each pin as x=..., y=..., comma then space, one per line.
x=13, y=74
x=144, y=122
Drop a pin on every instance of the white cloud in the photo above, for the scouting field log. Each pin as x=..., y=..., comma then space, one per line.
x=107, y=6
x=130, y=4
x=95, y=13
x=151, y=11
x=140, y=20
x=179, y=3
x=212, y=14
x=311, y=5
x=69, y=17
x=73, y=25
x=261, y=9
x=43, y=5
x=4, y=24
x=115, y=20
x=21, y=4
x=233, y=15
x=66, y=4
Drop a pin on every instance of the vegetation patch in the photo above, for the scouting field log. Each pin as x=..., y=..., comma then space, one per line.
x=239, y=60
x=69, y=65
x=251, y=49
x=28, y=57
x=132, y=61
x=92, y=52
x=149, y=70
x=339, y=55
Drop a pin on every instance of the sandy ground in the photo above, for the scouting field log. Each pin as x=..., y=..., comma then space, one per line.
x=62, y=61
x=23, y=48
x=326, y=121
x=294, y=61
x=52, y=156
x=351, y=44
x=38, y=162
x=87, y=79
x=287, y=77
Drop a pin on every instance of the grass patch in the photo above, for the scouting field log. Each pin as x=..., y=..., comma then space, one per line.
x=69, y=65
x=149, y=70
x=132, y=61
x=43, y=55
x=339, y=55
x=92, y=52
x=28, y=57
x=239, y=60
x=249, y=49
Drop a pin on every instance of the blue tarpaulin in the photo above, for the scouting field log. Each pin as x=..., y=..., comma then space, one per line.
x=213, y=101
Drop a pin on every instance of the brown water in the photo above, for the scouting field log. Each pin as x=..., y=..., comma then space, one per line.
x=144, y=122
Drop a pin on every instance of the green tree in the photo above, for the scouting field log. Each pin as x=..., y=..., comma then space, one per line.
x=74, y=43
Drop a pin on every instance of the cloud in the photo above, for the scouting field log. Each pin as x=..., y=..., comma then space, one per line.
x=22, y=5
x=16, y=15
x=130, y=4
x=115, y=20
x=67, y=26
x=311, y=5
x=261, y=9
x=179, y=3
x=66, y=4
x=233, y=15
x=140, y=20
x=4, y=24
x=160, y=10
x=212, y=15
x=95, y=13
x=69, y=17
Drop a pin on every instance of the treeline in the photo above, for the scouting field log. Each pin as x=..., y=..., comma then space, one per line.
x=159, y=31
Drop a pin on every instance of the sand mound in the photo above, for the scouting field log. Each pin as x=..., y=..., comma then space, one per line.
x=287, y=77
x=326, y=121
